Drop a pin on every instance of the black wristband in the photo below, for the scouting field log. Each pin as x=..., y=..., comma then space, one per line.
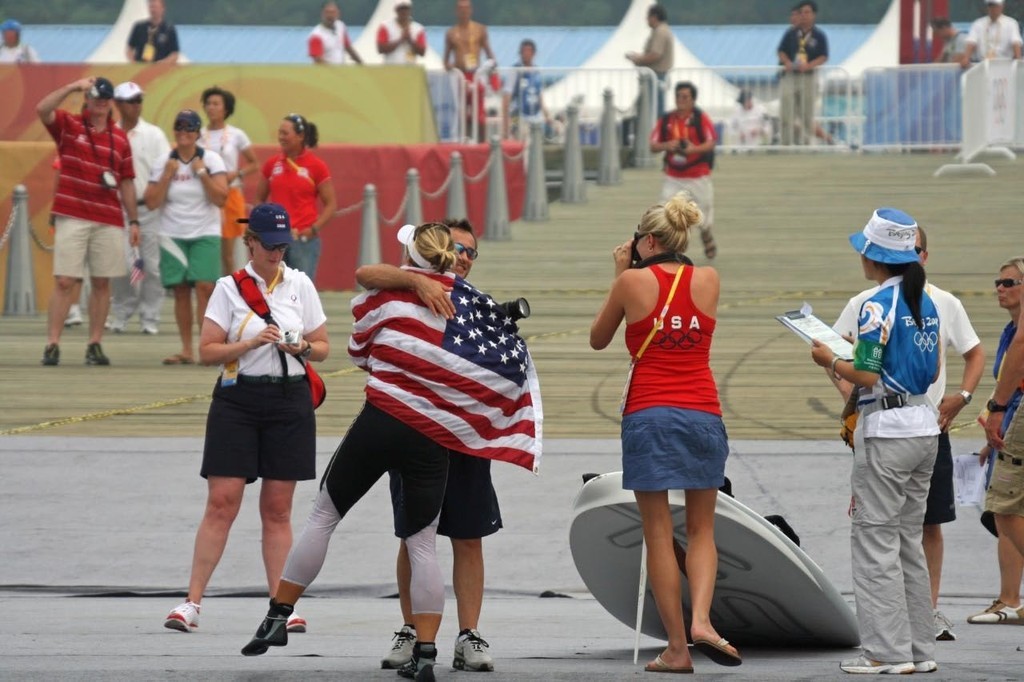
x=133, y=222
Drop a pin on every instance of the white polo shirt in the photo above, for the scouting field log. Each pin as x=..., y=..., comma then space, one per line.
x=955, y=330
x=294, y=304
x=149, y=148
x=994, y=39
x=390, y=31
x=329, y=43
x=229, y=142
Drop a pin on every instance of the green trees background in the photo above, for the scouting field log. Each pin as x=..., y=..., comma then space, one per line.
x=498, y=12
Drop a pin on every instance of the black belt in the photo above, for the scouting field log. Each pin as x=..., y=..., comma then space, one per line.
x=268, y=379
x=1015, y=461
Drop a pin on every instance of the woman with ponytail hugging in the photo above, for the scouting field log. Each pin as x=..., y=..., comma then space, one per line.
x=295, y=179
x=673, y=437
x=895, y=360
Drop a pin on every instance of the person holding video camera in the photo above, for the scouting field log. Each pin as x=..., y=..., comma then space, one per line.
x=95, y=191
x=261, y=422
x=687, y=138
x=190, y=186
x=673, y=436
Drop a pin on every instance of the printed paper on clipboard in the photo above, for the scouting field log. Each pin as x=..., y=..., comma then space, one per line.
x=804, y=324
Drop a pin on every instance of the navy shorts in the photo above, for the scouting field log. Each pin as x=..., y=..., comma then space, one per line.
x=377, y=442
x=941, y=506
x=670, y=448
x=261, y=431
x=470, y=508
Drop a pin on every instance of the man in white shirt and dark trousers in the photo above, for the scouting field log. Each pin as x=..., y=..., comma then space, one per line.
x=149, y=147
x=956, y=332
x=329, y=41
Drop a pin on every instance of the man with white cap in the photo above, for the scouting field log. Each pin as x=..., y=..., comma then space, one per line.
x=402, y=40
x=995, y=36
x=149, y=147
x=957, y=333
x=895, y=360
x=12, y=50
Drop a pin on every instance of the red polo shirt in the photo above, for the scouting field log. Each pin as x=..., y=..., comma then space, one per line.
x=84, y=155
x=294, y=183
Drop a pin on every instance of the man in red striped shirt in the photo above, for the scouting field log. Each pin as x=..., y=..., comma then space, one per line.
x=96, y=162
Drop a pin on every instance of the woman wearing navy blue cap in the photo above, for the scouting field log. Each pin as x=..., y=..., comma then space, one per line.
x=895, y=359
x=190, y=186
x=261, y=422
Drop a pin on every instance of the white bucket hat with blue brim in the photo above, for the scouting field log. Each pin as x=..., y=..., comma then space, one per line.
x=889, y=237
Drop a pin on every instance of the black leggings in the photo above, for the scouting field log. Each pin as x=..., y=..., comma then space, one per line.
x=377, y=442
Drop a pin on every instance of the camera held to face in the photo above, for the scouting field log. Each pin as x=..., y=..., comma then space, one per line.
x=516, y=309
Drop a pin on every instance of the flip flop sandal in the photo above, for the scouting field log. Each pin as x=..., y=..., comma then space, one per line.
x=178, y=359
x=710, y=247
x=660, y=666
x=717, y=651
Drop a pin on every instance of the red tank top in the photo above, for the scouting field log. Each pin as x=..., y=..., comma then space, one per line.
x=674, y=370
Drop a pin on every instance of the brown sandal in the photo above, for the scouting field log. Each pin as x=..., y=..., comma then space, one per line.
x=710, y=247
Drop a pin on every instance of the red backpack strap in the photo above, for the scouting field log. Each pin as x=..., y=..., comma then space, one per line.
x=251, y=294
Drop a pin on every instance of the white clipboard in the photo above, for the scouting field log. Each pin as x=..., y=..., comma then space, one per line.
x=804, y=324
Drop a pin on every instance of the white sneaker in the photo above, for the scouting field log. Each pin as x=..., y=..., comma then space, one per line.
x=472, y=652
x=865, y=666
x=116, y=326
x=925, y=666
x=150, y=328
x=401, y=650
x=998, y=612
x=184, y=617
x=296, y=623
x=943, y=628
x=74, y=317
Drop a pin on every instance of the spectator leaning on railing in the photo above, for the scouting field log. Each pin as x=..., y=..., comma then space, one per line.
x=954, y=42
x=995, y=36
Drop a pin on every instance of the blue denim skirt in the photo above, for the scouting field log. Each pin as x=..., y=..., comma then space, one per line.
x=669, y=448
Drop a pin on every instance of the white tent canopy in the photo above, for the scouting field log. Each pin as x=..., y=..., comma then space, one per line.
x=881, y=49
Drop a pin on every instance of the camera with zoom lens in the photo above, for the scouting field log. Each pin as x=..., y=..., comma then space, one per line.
x=516, y=309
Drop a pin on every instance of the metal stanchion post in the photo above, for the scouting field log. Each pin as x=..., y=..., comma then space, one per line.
x=414, y=204
x=609, y=171
x=642, y=144
x=369, y=235
x=496, y=225
x=456, y=204
x=573, y=190
x=536, y=205
x=20, y=288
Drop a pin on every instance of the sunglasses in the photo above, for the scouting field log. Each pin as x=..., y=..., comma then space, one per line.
x=275, y=247
x=185, y=127
x=298, y=122
x=470, y=252
x=1008, y=283
x=918, y=250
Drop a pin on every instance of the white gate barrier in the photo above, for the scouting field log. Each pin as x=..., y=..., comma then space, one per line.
x=990, y=96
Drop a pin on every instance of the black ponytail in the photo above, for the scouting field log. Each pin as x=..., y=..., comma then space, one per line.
x=913, y=286
x=311, y=136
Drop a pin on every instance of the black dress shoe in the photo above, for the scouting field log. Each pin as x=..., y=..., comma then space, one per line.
x=273, y=631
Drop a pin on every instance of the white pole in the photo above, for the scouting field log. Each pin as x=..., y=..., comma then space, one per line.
x=641, y=593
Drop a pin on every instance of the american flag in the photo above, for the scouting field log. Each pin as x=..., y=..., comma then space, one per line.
x=467, y=383
x=136, y=272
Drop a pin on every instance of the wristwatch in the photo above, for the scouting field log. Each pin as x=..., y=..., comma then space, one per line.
x=966, y=395
x=133, y=222
x=307, y=351
x=993, y=406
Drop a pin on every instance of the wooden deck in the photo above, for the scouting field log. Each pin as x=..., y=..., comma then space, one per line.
x=781, y=223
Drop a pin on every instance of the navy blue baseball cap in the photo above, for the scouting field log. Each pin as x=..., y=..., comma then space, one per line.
x=11, y=25
x=189, y=119
x=271, y=224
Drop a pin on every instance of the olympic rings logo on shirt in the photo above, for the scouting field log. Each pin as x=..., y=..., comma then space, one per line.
x=926, y=341
x=683, y=340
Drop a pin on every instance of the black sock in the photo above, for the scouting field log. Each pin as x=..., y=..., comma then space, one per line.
x=424, y=650
x=282, y=610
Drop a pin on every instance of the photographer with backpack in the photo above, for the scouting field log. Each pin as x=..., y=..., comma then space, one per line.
x=687, y=137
